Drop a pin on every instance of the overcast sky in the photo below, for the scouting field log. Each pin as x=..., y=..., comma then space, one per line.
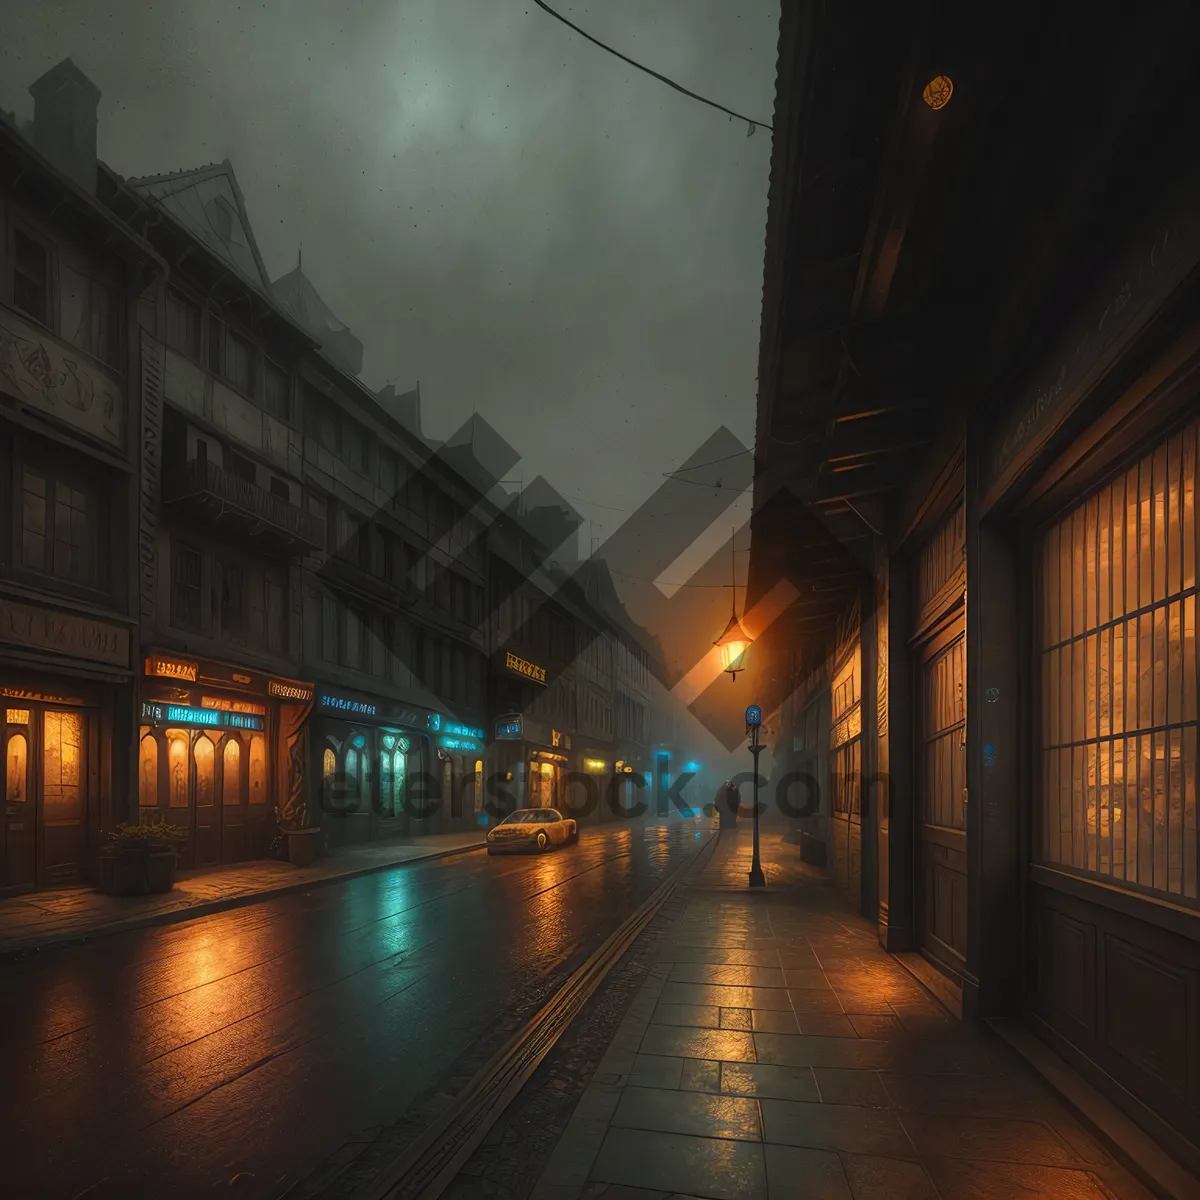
x=498, y=209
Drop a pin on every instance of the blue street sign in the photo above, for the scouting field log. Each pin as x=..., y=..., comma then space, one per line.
x=754, y=715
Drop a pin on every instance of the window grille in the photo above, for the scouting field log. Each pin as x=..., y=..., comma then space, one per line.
x=1119, y=678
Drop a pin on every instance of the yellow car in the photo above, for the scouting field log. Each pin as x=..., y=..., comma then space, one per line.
x=532, y=829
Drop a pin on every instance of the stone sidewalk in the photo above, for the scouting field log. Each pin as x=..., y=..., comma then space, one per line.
x=38, y=919
x=776, y=1052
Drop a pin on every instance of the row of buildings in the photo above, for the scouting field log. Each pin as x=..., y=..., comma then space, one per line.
x=239, y=590
x=976, y=465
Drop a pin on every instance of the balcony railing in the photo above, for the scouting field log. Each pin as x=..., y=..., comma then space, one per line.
x=222, y=496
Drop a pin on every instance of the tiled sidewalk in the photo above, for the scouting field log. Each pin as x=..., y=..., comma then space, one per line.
x=779, y=1053
x=38, y=919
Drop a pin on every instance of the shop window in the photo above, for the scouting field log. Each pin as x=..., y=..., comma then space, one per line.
x=205, y=754
x=31, y=276
x=62, y=754
x=60, y=524
x=478, y=786
x=1119, y=678
x=231, y=773
x=328, y=766
x=183, y=325
x=177, y=768
x=16, y=771
x=845, y=739
x=258, y=769
x=148, y=771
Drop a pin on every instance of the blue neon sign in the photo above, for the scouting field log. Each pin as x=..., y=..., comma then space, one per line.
x=450, y=743
x=466, y=731
x=199, y=718
x=509, y=728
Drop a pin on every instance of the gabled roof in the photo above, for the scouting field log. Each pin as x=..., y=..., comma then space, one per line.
x=208, y=204
x=296, y=291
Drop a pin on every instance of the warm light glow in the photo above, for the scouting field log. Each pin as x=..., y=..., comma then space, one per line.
x=595, y=764
x=938, y=91
x=15, y=781
x=733, y=644
x=17, y=716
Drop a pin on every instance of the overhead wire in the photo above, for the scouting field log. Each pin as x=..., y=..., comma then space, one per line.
x=753, y=124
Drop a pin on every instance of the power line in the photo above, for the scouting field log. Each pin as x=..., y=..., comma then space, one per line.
x=661, y=78
x=712, y=462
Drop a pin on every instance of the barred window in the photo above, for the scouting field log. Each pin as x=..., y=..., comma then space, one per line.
x=1119, y=678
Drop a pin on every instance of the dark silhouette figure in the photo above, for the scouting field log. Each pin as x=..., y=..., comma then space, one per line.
x=728, y=801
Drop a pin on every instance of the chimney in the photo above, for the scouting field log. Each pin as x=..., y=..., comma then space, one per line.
x=65, y=101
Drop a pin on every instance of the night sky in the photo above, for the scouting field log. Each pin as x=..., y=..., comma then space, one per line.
x=500, y=210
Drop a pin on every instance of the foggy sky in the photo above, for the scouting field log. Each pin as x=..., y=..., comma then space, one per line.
x=498, y=209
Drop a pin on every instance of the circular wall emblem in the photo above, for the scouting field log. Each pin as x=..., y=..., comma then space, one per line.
x=754, y=715
x=938, y=91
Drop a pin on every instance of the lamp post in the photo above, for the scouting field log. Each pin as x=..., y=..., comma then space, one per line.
x=753, y=724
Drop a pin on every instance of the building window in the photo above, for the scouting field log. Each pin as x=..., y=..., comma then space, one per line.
x=321, y=421
x=233, y=600
x=186, y=590
x=276, y=623
x=241, y=466
x=277, y=388
x=239, y=362
x=280, y=489
x=60, y=525
x=31, y=277
x=90, y=315
x=1119, y=678
x=354, y=444
x=355, y=541
x=183, y=325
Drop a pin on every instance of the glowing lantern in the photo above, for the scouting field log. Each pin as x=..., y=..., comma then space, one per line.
x=938, y=91
x=733, y=644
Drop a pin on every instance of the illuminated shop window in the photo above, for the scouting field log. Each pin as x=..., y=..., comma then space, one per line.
x=328, y=765
x=231, y=774
x=16, y=758
x=148, y=771
x=258, y=769
x=177, y=768
x=478, y=786
x=846, y=740
x=205, y=755
x=1119, y=678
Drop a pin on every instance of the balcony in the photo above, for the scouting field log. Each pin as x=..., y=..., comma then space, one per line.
x=342, y=574
x=215, y=495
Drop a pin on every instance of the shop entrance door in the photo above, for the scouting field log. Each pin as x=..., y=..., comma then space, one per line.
x=18, y=828
x=942, y=798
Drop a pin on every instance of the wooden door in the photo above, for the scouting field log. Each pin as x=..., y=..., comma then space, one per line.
x=18, y=824
x=942, y=797
x=234, y=806
x=207, y=824
x=63, y=793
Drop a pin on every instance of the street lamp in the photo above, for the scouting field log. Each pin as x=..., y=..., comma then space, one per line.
x=735, y=641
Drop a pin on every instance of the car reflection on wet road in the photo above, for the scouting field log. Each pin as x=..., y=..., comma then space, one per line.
x=253, y=1043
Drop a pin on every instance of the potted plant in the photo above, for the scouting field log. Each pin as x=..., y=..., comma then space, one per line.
x=301, y=839
x=139, y=860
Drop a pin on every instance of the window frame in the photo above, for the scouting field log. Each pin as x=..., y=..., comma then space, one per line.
x=65, y=469
x=21, y=228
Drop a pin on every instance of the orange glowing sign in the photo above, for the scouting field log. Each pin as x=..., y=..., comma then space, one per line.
x=17, y=716
x=289, y=691
x=242, y=706
x=172, y=668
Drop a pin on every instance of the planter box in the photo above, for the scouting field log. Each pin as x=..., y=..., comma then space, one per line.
x=303, y=845
x=136, y=874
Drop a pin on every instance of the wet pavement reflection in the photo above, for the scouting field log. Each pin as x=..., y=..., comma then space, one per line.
x=234, y=1052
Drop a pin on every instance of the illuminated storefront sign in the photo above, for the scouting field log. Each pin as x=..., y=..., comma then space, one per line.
x=343, y=704
x=508, y=729
x=464, y=731
x=595, y=764
x=172, y=668
x=520, y=666
x=454, y=743
x=286, y=690
x=198, y=718
x=434, y=721
x=242, y=706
